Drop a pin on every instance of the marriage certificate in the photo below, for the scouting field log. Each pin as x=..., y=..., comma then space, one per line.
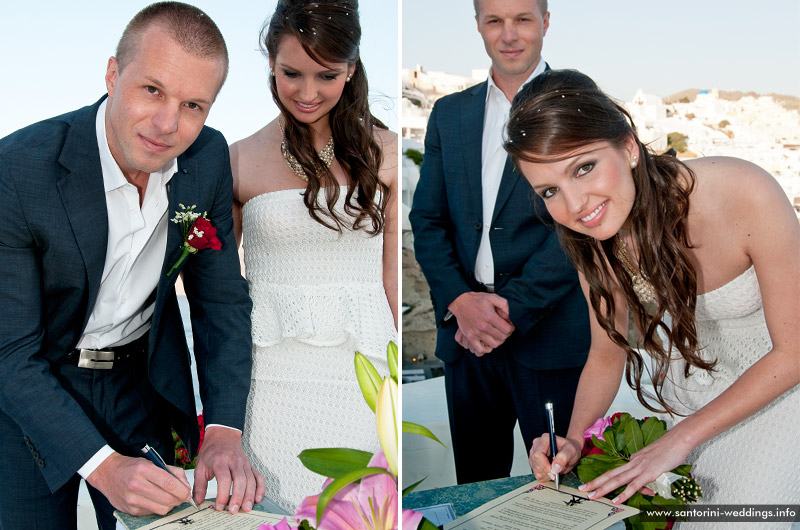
x=204, y=518
x=540, y=506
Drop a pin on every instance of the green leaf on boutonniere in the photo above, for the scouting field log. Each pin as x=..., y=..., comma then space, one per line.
x=633, y=436
x=652, y=430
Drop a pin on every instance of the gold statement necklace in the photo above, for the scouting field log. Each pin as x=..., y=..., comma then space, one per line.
x=326, y=154
x=641, y=285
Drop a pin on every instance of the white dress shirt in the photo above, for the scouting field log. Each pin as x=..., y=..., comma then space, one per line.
x=493, y=160
x=137, y=243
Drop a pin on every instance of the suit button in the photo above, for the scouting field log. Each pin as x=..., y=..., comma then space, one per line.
x=478, y=225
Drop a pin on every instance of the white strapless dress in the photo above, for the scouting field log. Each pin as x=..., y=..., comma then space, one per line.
x=318, y=297
x=756, y=461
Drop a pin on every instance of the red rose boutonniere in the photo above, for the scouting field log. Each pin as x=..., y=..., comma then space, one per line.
x=198, y=234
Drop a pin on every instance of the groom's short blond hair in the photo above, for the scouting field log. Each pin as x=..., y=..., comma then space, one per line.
x=187, y=25
x=542, y=6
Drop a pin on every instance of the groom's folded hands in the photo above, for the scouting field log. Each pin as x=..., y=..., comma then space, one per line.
x=137, y=487
x=239, y=486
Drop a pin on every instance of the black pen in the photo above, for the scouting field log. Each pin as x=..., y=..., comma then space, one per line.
x=155, y=458
x=552, y=427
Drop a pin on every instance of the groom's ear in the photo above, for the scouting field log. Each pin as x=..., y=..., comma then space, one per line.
x=112, y=71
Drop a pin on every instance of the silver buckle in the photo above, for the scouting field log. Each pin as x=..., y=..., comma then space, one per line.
x=96, y=359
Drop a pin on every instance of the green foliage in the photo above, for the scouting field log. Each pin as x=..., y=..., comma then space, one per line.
x=653, y=429
x=427, y=525
x=412, y=487
x=334, y=463
x=678, y=141
x=414, y=155
x=340, y=483
x=625, y=436
x=413, y=428
x=368, y=379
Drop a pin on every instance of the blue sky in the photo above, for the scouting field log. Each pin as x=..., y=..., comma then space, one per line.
x=661, y=47
x=54, y=57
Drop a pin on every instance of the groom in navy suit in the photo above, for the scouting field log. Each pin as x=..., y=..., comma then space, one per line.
x=93, y=356
x=513, y=326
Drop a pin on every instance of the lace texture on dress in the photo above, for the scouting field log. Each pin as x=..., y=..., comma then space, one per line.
x=752, y=462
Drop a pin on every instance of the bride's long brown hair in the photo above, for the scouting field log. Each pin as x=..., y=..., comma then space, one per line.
x=564, y=110
x=329, y=32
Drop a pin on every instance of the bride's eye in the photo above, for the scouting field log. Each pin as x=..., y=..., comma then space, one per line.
x=549, y=192
x=585, y=168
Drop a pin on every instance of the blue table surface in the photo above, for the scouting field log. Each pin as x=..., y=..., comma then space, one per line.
x=467, y=497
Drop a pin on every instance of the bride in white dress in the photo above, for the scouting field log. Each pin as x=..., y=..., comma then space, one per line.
x=315, y=193
x=705, y=254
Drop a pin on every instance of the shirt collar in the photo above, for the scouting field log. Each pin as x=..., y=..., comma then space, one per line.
x=493, y=88
x=113, y=177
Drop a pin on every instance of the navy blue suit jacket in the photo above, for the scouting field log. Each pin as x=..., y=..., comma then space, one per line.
x=546, y=304
x=53, y=239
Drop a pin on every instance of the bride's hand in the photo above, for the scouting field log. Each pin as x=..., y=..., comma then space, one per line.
x=645, y=466
x=569, y=452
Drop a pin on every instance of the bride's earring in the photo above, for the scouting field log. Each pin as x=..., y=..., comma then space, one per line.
x=635, y=161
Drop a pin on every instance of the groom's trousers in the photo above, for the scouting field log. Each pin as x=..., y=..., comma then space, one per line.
x=487, y=396
x=126, y=410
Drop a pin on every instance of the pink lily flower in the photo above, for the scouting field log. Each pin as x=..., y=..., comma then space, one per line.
x=369, y=505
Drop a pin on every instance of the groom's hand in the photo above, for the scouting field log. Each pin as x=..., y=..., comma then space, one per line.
x=483, y=322
x=138, y=487
x=238, y=484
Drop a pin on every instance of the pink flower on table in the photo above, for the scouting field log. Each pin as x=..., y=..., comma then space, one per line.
x=598, y=428
x=411, y=519
x=368, y=505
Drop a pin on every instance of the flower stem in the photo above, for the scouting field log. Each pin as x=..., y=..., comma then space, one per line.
x=184, y=255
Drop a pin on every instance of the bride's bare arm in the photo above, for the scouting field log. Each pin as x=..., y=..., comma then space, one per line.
x=389, y=175
x=597, y=388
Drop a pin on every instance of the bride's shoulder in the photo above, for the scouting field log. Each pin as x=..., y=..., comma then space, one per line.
x=731, y=181
x=386, y=139
x=249, y=158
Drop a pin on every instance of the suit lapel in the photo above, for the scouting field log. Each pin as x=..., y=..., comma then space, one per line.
x=83, y=196
x=508, y=180
x=507, y=183
x=471, y=130
x=181, y=190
